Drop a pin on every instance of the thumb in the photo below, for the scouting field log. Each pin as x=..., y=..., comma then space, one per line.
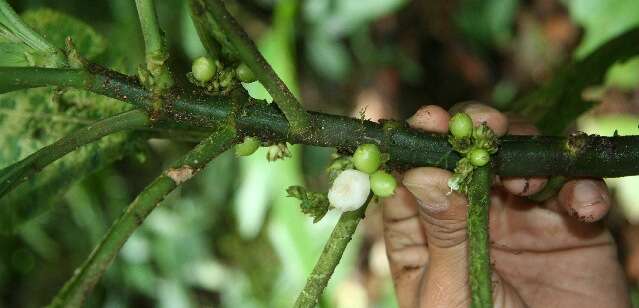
x=443, y=216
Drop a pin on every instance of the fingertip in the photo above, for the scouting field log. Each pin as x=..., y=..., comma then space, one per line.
x=585, y=199
x=431, y=118
x=400, y=205
x=481, y=113
x=430, y=187
x=524, y=186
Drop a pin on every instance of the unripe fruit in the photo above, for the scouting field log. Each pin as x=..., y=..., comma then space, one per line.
x=349, y=191
x=203, y=69
x=460, y=125
x=248, y=147
x=479, y=157
x=367, y=158
x=244, y=73
x=383, y=184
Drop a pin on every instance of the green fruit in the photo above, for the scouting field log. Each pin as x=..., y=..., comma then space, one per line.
x=460, y=125
x=383, y=184
x=244, y=73
x=479, y=157
x=203, y=69
x=367, y=158
x=248, y=147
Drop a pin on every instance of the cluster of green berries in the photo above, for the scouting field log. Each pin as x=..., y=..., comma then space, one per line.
x=351, y=187
x=461, y=127
x=368, y=158
x=210, y=73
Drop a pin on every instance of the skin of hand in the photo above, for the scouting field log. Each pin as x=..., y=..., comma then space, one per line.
x=551, y=254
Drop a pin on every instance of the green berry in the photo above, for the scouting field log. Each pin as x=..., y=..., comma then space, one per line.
x=244, y=73
x=203, y=69
x=460, y=125
x=383, y=184
x=367, y=158
x=479, y=157
x=248, y=147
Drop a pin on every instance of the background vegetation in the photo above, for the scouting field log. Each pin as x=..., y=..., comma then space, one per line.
x=231, y=238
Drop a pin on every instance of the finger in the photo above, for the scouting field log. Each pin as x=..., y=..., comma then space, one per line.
x=517, y=185
x=443, y=215
x=586, y=199
x=405, y=245
x=431, y=118
x=481, y=113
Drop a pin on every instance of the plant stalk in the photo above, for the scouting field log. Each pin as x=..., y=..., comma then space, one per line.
x=75, y=290
x=577, y=155
x=247, y=51
x=478, y=239
x=330, y=257
x=155, y=45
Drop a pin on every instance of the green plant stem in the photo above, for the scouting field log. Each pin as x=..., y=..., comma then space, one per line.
x=155, y=45
x=75, y=290
x=247, y=51
x=13, y=175
x=578, y=155
x=330, y=257
x=478, y=239
x=207, y=30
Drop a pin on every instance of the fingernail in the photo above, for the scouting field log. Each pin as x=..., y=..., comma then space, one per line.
x=587, y=193
x=429, y=198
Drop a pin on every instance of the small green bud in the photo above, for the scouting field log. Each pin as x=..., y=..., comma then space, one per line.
x=244, y=73
x=367, y=158
x=479, y=157
x=248, y=147
x=203, y=69
x=383, y=184
x=460, y=125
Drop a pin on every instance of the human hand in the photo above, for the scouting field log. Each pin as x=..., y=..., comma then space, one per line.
x=550, y=254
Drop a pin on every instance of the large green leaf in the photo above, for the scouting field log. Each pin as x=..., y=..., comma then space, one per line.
x=56, y=27
x=32, y=119
x=559, y=102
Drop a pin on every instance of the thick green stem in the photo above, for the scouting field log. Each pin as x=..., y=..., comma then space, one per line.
x=13, y=175
x=247, y=51
x=155, y=45
x=478, y=239
x=330, y=257
x=75, y=290
x=577, y=155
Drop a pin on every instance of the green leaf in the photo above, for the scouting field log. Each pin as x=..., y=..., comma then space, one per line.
x=57, y=26
x=603, y=20
x=313, y=204
x=44, y=191
x=13, y=54
x=32, y=119
x=558, y=103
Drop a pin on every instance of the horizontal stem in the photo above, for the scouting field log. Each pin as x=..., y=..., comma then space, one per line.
x=75, y=290
x=578, y=155
x=13, y=175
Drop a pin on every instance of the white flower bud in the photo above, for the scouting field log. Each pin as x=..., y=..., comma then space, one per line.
x=349, y=191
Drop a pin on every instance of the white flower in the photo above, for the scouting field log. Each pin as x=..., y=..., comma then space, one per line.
x=349, y=191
